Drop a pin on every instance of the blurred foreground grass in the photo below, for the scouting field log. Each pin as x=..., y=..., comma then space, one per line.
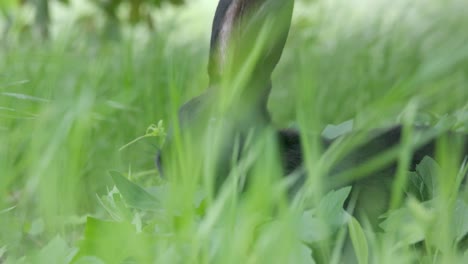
x=67, y=106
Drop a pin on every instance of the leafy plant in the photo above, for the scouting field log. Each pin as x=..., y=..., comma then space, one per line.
x=67, y=107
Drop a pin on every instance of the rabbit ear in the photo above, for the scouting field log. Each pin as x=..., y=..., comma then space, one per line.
x=225, y=18
x=236, y=28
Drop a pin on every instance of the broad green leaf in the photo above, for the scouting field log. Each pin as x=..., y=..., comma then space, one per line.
x=56, y=251
x=331, y=207
x=311, y=229
x=115, y=206
x=460, y=220
x=134, y=195
x=320, y=223
x=302, y=255
x=409, y=233
x=114, y=242
x=417, y=218
x=423, y=181
x=334, y=131
x=415, y=186
x=428, y=169
x=358, y=238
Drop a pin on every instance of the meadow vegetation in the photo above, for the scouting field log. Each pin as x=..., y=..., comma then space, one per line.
x=68, y=104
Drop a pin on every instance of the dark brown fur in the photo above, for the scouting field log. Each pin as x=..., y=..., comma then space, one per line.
x=235, y=27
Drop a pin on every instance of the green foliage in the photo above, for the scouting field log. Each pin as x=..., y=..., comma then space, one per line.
x=136, y=11
x=320, y=223
x=67, y=106
x=135, y=196
x=56, y=251
x=423, y=180
x=114, y=242
x=151, y=131
x=359, y=240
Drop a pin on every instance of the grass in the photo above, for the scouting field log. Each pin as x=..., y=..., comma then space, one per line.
x=66, y=107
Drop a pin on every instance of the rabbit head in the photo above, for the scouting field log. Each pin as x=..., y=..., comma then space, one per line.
x=247, y=40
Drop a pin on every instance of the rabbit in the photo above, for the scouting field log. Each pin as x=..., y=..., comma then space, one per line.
x=235, y=30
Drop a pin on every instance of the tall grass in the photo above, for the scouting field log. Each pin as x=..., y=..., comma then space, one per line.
x=66, y=107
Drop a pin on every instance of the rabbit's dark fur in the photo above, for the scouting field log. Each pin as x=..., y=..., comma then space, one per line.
x=236, y=25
